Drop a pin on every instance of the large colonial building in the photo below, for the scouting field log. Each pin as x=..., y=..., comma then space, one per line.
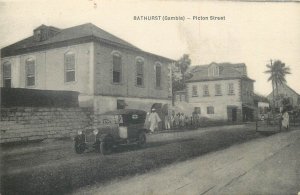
x=108, y=72
x=222, y=91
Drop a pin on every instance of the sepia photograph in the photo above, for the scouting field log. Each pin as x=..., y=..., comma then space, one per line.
x=149, y=97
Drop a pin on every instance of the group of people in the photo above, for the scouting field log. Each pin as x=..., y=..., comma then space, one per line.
x=171, y=120
x=180, y=120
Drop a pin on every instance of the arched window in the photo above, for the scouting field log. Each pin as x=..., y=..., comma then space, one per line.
x=30, y=72
x=140, y=72
x=70, y=67
x=6, y=70
x=158, y=75
x=117, y=67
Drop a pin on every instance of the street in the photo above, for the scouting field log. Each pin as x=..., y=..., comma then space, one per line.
x=187, y=162
x=269, y=165
x=52, y=167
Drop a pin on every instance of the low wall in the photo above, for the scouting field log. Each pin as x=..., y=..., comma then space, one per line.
x=22, y=97
x=26, y=124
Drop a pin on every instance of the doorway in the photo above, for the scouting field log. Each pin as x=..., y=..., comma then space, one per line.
x=234, y=114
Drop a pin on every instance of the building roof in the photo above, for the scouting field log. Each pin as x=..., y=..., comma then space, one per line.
x=78, y=34
x=285, y=86
x=226, y=71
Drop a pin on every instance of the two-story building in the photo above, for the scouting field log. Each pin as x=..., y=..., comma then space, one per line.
x=108, y=72
x=222, y=91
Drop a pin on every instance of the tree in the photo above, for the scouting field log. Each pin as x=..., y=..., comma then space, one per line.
x=277, y=72
x=179, y=73
x=183, y=63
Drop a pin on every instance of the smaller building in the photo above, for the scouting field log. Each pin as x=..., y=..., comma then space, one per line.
x=284, y=92
x=222, y=91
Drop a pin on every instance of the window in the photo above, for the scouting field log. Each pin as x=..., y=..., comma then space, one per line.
x=158, y=76
x=30, y=72
x=197, y=110
x=117, y=68
x=218, y=90
x=230, y=89
x=37, y=35
x=182, y=99
x=177, y=98
x=205, y=90
x=121, y=104
x=6, y=68
x=139, y=72
x=69, y=67
x=210, y=110
x=194, y=91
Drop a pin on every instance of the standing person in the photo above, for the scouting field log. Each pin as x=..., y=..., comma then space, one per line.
x=285, y=120
x=172, y=120
x=147, y=122
x=181, y=120
x=167, y=121
x=195, y=119
x=186, y=121
x=177, y=120
x=154, y=120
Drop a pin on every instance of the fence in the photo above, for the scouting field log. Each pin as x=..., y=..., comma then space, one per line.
x=273, y=122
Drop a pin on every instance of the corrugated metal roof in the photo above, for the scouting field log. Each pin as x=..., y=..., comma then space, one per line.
x=76, y=32
x=226, y=71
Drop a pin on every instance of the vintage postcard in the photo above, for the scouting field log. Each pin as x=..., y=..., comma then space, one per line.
x=149, y=97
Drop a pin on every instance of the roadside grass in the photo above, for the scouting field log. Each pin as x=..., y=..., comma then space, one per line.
x=70, y=175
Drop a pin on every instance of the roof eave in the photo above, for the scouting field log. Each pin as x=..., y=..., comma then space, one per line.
x=217, y=79
x=7, y=52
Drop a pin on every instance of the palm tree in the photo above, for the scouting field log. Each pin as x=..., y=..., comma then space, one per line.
x=277, y=72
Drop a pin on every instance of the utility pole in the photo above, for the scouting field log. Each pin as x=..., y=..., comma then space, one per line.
x=273, y=84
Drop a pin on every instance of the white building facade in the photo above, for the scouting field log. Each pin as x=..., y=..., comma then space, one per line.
x=221, y=92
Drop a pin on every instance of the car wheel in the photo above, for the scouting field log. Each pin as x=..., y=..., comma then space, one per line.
x=79, y=147
x=105, y=148
x=142, y=139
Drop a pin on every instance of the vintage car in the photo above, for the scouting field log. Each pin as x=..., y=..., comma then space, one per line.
x=113, y=129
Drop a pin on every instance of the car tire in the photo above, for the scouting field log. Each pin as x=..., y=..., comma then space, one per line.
x=142, y=139
x=79, y=147
x=105, y=147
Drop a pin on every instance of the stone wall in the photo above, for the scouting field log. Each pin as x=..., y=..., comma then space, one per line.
x=26, y=124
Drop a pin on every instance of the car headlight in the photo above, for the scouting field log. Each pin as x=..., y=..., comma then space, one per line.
x=79, y=132
x=95, y=132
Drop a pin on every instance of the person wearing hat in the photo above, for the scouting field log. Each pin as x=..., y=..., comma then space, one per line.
x=154, y=120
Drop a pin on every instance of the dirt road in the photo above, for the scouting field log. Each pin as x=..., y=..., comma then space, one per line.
x=268, y=165
x=54, y=168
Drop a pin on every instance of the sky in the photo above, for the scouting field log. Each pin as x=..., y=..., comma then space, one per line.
x=252, y=32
